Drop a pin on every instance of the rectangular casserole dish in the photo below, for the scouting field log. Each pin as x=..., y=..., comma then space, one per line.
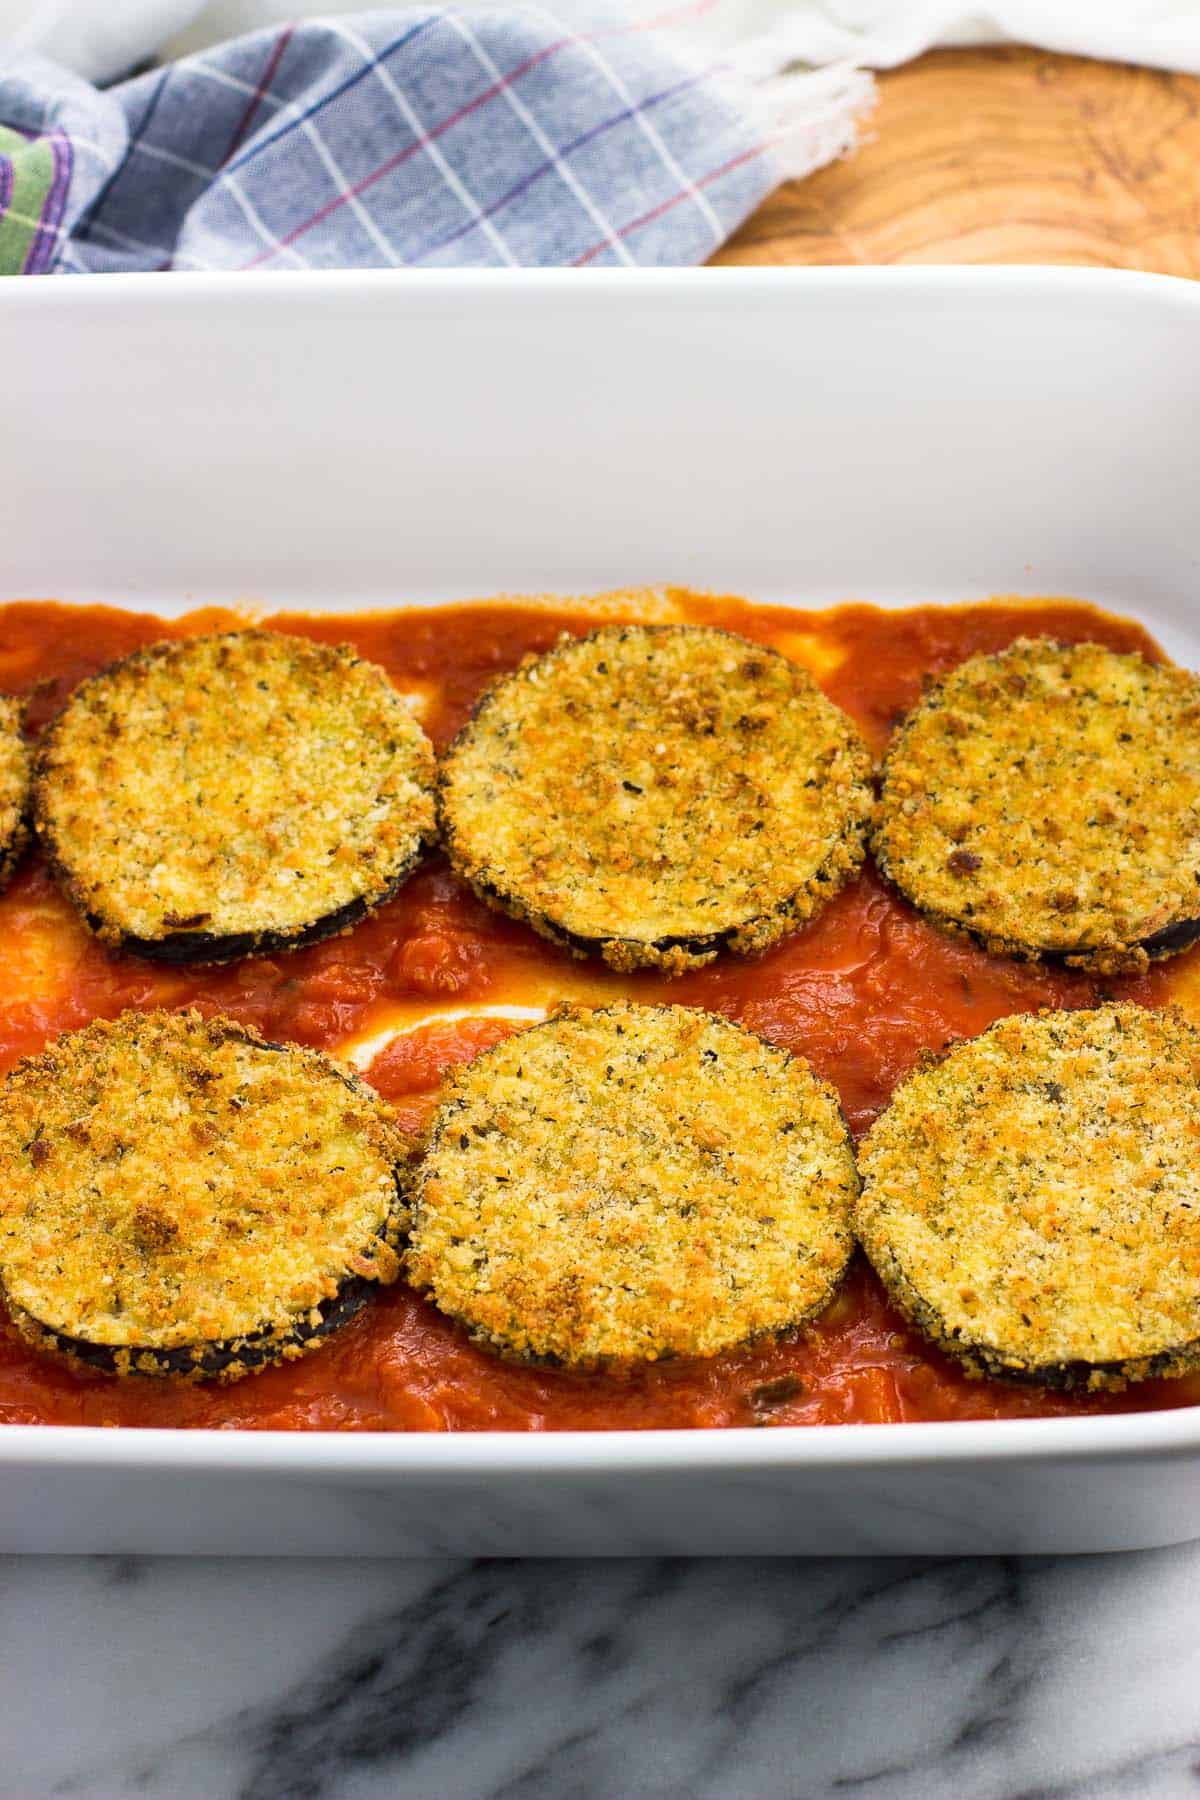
x=336, y=441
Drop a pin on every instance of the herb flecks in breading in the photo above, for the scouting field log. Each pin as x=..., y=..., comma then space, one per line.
x=14, y=786
x=213, y=797
x=657, y=794
x=1032, y=1201
x=1046, y=801
x=622, y=1185
x=180, y=1197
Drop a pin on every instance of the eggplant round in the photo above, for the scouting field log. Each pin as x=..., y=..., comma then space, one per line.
x=219, y=797
x=656, y=794
x=181, y=1197
x=618, y=1186
x=1031, y=1201
x=1045, y=802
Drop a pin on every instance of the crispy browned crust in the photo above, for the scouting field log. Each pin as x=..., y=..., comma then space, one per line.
x=985, y=1364
x=1031, y=1200
x=181, y=1197
x=212, y=798
x=1045, y=802
x=655, y=795
x=14, y=786
x=225, y=1361
x=632, y=1183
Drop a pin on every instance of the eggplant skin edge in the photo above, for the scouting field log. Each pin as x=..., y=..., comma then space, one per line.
x=965, y=698
x=222, y=1361
x=1097, y=959
x=516, y=1346
x=1172, y=938
x=982, y=1362
x=175, y=946
x=12, y=852
x=17, y=798
x=674, y=955
x=228, y=1360
x=201, y=947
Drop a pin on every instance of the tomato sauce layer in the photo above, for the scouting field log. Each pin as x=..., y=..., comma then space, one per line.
x=435, y=977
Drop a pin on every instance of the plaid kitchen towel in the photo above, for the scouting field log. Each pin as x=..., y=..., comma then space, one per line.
x=394, y=139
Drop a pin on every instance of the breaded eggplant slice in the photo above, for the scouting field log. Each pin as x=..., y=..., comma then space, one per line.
x=656, y=794
x=228, y=796
x=180, y=1197
x=1046, y=802
x=617, y=1186
x=1032, y=1201
x=14, y=786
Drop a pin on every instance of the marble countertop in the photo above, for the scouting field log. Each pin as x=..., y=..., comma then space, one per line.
x=721, y=1680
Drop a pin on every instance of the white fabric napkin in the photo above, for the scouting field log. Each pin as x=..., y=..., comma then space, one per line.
x=104, y=38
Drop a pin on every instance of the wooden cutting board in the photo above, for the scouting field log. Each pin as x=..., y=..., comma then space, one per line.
x=1003, y=156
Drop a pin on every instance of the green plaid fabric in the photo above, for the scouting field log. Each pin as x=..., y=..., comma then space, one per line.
x=34, y=176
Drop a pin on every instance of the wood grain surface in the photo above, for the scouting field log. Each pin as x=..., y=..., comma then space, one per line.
x=1003, y=156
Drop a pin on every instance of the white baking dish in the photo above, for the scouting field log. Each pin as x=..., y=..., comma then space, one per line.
x=338, y=440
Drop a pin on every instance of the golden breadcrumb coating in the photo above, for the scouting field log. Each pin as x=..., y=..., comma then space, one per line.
x=657, y=794
x=1032, y=1201
x=214, y=795
x=1047, y=801
x=14, y=785
x=174, y=1184
x=636, y=1182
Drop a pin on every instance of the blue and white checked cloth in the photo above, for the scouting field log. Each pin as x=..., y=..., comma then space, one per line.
x=394, y=139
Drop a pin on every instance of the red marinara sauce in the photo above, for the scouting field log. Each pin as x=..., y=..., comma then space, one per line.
x=860, y=992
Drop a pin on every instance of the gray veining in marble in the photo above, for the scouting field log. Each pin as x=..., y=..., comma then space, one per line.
x=774, y=1680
